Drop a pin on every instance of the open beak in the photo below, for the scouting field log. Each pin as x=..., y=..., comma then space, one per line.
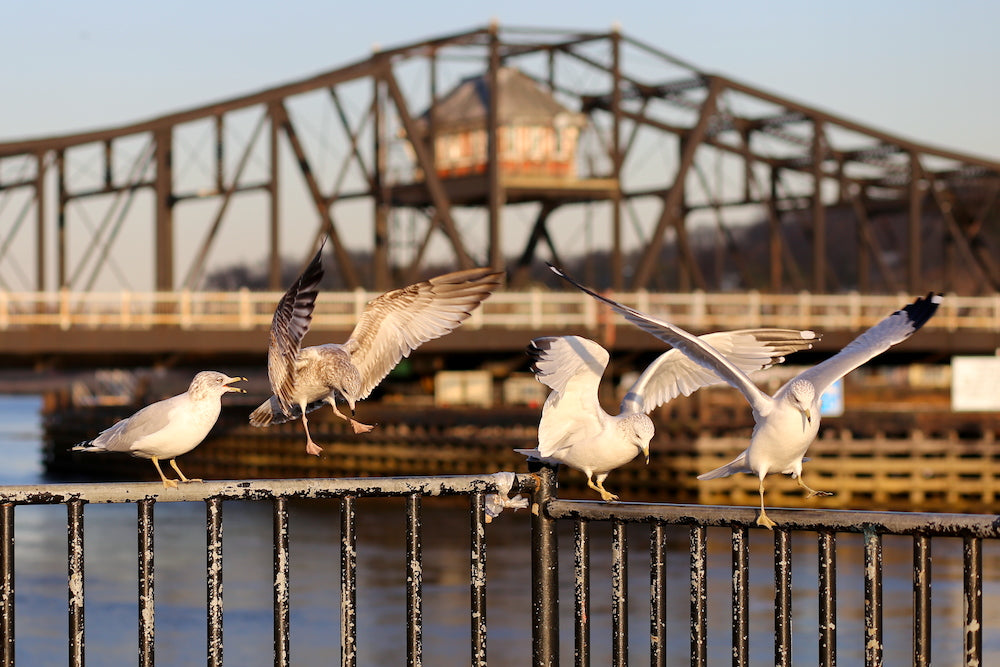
x=808, y=415
x=239, y=390
x=645, y=450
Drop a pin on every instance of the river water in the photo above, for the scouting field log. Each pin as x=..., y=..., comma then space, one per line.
x=111, y=584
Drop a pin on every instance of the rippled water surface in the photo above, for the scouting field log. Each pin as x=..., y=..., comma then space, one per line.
x=180, y=589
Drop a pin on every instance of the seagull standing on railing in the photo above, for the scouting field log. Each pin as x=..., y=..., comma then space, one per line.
x=787, y=423
x=392, y=325
x=171, y=427
x=575, y=429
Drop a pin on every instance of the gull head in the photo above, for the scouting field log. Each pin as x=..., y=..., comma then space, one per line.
x=638, y=429
x=802, y=394
x=212, y=383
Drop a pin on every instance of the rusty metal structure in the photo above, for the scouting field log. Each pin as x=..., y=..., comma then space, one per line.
x=684, y=180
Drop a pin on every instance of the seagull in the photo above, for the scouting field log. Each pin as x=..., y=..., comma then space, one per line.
x=787, y=423
x=575, y=429
x=171, y=427
x=392, y=325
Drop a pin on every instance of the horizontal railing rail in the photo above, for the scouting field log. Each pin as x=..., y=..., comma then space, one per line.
x=242, y=310
x=548, y=513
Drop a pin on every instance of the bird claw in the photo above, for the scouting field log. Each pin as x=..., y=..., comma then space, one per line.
x=821, y=494
x=313, y=448
x=189, y=480
x=169, y=483
x=359, y=427
x=608, y=497
x=765, y=521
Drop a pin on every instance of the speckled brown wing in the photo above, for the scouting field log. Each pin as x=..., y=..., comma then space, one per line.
x=288, y=326
x=399, y=321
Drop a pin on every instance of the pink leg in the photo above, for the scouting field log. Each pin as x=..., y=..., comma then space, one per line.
x=311, y=447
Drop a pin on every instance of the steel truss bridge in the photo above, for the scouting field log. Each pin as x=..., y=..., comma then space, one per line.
x=685, y=161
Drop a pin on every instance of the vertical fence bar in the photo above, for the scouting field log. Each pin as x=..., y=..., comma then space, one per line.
x=741, y=596
x=74, y=530
x=477, y=578
x=544, y=574
x=657, y=595
x=972, y=600
x=827, y=592
x=7, y=583
x=414, y=583
x=581, y=592
x=619, y=594
x=213, y=529
x=873, y=598
x=782, y=598
x=921, y=601
x=699, y=596
x=348, y=583
x=281, y=583
x=147, y=634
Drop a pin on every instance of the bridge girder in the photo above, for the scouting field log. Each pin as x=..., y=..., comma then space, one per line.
x=841, y=205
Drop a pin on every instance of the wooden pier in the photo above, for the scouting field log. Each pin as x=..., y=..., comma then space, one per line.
x=912, y=454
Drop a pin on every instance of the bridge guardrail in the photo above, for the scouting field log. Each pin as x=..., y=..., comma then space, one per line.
x=699, y=311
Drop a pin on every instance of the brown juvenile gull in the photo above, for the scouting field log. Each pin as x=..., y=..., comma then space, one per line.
x=168, y=428
x=575, y=429
x=787, y=423
x=392, y=325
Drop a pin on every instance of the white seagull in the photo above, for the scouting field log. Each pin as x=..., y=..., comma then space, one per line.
x=785, y=424
x=575, y=429
x=171, y=427
x=392, y=326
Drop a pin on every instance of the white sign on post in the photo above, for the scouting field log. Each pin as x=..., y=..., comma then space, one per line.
x=975, y=384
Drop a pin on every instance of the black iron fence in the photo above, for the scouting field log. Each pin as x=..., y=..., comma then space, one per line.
x=550, y=516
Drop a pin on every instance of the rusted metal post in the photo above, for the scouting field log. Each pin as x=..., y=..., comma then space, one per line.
x=74, y=534
x=348, y=583
x=782, y=598
x=619, y=594
x=544, y=573
x=281, y=583
x=147, y=643
x=827, y=591
x=7, y=583
x=699, y=596
x=581, y=592
x=477, y=578
x=921, y=600
x=972, y=599
x=740, y=547
x=873, y=598
x=414, y=584
x=214, y=579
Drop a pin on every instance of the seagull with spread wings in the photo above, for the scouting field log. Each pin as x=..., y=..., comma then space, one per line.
x=787, y=423
x=575, y=429
x=392, y=325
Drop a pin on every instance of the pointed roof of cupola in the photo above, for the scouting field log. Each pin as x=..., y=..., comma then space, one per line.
x=522, y=102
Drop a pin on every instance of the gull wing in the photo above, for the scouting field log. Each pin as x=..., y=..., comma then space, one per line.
x=673, y=373
x=697, y=350
x=153, y=418
x=399, y=321
x=572, y=367
x=288, y=327
x=892, y=330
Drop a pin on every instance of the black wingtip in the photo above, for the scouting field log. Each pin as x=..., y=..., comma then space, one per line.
x=921, y=310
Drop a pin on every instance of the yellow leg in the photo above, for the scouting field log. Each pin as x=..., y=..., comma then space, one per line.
x=606, y=495
x=167, y=483
x=173, y=464
x=812, y=492
x=763, y=519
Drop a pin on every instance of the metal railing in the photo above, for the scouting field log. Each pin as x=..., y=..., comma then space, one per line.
x=548, y=513
x=533, y=309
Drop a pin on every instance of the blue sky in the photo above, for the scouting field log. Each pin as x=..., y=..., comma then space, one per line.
x=924, y=70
